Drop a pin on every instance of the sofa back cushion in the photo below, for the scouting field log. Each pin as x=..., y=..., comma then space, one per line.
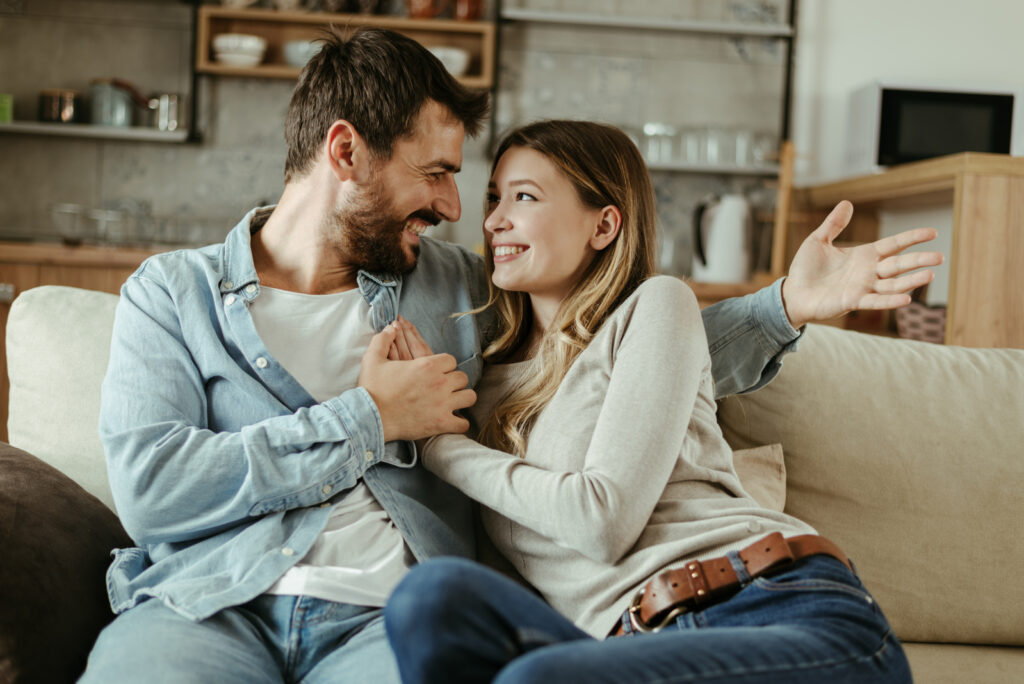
x=58, y=346
x=910, y=456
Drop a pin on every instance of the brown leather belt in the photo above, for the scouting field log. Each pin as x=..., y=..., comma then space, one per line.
x=701, y=583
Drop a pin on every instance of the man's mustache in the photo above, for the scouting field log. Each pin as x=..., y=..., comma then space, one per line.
x=427, y=215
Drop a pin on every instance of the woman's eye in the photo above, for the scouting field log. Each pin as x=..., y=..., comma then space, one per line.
x=490, y=199
x=525, y=196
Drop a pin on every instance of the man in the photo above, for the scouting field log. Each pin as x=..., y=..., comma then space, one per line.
x=258, y=443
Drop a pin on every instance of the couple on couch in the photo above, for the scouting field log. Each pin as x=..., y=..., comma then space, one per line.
x=269, y=400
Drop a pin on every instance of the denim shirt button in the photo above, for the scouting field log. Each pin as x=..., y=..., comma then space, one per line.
x=261, y=362
x=227, y=284
x=326, y=489
x=288, y=551
x=229, y=300
x=369, y=455
x=250, y=288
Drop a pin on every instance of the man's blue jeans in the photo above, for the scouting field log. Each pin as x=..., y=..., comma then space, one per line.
x=454, y=621
x=270, y=639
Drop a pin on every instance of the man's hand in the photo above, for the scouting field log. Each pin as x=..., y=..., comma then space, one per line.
x=825, y=281
x=415, y=398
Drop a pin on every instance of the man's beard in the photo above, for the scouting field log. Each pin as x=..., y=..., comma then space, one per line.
x=371, y=236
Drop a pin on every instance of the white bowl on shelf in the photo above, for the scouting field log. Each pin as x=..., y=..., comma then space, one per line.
x=240, y=44
x=238, y=59
x=454, y=59
x=298, y=52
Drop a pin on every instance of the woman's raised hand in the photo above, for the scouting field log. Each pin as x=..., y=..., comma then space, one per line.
x=826, y=281
x=408, y=343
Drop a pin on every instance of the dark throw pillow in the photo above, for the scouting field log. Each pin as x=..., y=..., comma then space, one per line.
x=55, y=543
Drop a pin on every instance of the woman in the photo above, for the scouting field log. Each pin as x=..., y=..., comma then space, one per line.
x=601, y=465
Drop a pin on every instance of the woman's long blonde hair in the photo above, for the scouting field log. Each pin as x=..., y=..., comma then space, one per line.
x=605, y=168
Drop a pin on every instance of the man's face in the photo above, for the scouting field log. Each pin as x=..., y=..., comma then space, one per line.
x=406, y=194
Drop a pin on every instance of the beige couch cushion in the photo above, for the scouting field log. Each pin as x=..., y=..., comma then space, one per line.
x=955, y=664
x=58, y=344
x=911, y=457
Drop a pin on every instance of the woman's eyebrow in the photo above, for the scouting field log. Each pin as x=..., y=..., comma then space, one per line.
x=515, y=183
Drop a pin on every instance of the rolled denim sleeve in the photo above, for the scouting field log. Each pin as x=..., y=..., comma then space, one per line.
x=748, y=336
x=173, y=478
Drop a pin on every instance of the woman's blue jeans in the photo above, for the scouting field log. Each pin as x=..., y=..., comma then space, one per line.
x=451, y=620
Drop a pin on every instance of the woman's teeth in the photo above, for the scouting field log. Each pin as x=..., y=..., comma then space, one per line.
x=507, y=250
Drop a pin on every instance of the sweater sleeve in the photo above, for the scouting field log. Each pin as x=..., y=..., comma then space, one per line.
x=657, y=356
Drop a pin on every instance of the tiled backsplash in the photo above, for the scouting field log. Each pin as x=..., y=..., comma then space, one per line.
x=196, y=192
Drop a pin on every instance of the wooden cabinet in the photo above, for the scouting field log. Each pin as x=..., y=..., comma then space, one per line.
x=24, y=266
x=278, y=27
x=986, y=193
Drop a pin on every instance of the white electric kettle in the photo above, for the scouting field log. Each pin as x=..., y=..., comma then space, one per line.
x=722, y=228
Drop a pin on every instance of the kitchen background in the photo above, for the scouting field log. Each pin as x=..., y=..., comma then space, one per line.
x=192, y=193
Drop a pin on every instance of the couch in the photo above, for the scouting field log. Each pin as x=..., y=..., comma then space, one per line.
x=909, y=455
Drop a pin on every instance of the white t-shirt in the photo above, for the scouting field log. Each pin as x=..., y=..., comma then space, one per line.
x=320, y=339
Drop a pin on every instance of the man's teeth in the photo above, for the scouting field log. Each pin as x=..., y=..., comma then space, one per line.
x=507, y=250
x=416, y=227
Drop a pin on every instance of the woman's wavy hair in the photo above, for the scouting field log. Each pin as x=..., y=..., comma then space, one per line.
x=605, y=168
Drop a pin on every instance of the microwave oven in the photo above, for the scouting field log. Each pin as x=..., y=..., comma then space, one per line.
x=897, y=123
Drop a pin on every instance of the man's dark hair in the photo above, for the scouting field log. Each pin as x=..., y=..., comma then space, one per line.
x=377, y=80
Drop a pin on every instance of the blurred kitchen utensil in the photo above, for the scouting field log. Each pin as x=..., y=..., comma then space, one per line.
x=468, y=10
x=239, y=49
x=426, y=9
x=59, y=105
x=455, y=59
x=67, y=222
x=6, y=108
x=659, y=142
x=165, y=111
x=721, y=239
x=114, y=101
x=298, y=52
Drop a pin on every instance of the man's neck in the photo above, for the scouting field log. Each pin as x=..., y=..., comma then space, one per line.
x=293, y=252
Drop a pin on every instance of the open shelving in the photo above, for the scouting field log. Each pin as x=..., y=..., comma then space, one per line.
x=279, y=27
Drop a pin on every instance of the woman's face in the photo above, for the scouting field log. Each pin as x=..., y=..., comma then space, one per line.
x=540, y=233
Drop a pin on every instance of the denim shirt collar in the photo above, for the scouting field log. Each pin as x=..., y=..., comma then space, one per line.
x=380, y=290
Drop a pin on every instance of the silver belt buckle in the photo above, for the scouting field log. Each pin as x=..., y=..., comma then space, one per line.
x=638, y=624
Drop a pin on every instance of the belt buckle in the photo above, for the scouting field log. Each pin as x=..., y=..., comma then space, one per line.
x=640, y=626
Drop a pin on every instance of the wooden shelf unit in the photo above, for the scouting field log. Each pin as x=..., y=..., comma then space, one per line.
x=986, y=193
x=279, y=27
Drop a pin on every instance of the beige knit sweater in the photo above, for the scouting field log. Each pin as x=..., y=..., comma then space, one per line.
x=626, y=471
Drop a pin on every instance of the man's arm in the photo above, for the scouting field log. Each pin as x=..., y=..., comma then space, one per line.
x=174, y=478
x=748, y=336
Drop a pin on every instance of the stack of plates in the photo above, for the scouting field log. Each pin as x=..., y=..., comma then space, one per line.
x=239, y=49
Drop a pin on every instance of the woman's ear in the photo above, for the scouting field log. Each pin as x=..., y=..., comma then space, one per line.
x=607, y=228
x=346, y=151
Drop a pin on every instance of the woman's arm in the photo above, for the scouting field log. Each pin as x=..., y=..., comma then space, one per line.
x=658, y=354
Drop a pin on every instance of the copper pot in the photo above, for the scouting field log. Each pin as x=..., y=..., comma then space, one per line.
x=59, y=105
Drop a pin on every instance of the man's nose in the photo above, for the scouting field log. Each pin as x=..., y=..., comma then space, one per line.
x=447, y=203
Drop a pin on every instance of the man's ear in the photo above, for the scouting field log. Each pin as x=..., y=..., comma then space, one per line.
x=607, y=228
x=346, y=151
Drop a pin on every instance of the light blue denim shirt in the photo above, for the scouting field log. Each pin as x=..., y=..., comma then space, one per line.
x=223, y=468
